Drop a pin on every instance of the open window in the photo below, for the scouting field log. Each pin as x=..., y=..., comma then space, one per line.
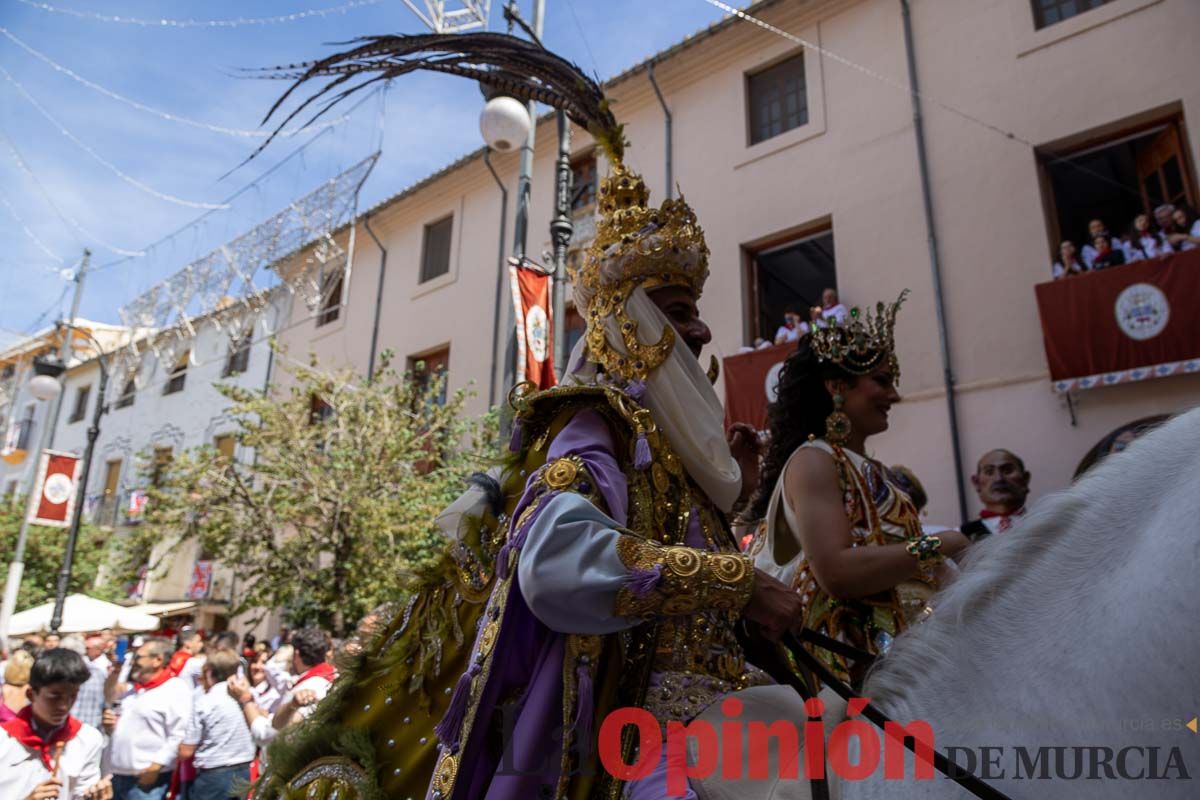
x=239, y=356
x=332, y=286
x=1048, y=12
x=1114, y=176
x=81, y=403
x=424, y=368
x=787, y=275
x=128, y=393
x=583, y=184
x=178, y=377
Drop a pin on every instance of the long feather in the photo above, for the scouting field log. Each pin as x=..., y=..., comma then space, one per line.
x=503, y=63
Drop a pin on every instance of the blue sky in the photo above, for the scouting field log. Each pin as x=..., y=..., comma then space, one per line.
x=424, y=123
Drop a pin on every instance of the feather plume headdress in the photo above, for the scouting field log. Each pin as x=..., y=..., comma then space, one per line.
x=636, y=244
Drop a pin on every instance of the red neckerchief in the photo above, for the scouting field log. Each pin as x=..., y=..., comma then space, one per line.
x=162, y=677
x=1005, y=519
x=323, y=670
x=177, y=662
x=21, y=729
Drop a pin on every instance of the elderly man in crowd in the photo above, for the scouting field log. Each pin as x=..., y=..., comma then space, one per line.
x=217, y=736
x=1002, y=483
x=147, y=723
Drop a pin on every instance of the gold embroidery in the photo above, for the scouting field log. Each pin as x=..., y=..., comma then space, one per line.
x=443, y=778
x=689, y=580
x=561, y=473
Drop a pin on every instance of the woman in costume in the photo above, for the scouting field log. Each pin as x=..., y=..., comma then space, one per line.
x=838, y=527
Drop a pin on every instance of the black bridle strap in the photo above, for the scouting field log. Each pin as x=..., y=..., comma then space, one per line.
x=834, y=646
x=963, y=777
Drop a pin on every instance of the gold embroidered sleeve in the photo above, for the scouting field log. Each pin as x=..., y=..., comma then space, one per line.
x=671, y=581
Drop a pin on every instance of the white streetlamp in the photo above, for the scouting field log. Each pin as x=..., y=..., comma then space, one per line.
x=504, y=123
x=44, y=387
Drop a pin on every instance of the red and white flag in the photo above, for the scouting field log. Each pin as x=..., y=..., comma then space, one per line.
x=535, y=325
x=54, y=493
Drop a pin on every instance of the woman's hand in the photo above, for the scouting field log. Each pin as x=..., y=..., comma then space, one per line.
x=953, y=543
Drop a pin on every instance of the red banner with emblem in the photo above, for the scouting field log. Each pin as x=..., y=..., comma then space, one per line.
x=54, y=493
x=535, y=325
x=1122, y=324
x=750, y=380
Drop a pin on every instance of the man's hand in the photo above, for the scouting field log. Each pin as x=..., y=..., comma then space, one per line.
x=100, y=790
x=746, y=448
x=149, y=775
x=46, y=790
x=239, y=689
x=108, y=720
x=774, y=606
x=304, y=697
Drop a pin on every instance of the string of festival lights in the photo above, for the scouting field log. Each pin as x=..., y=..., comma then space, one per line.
x=33, y=237
x=239, y=132
x=70, y=222
x=82, y=145
x=202, y=23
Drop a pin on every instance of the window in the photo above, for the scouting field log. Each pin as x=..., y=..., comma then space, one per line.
x=424, y=368
x=331, y=299
x=576, y=327
x=225, y=445
x=435, y=251
x=20, y=433
x=778, y=99
x=178, y=376
x=239, y=355
x=1048, y=12
x=127, y=393
x=583, y=184
x=106, y=514
x=163, y=456
x=790, y=275
x=1113, y=180
x=81, y=402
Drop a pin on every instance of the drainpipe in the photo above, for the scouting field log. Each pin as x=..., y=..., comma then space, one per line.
x=666, y=112
x=935, y=266
x=378, y=297
x=501, y=279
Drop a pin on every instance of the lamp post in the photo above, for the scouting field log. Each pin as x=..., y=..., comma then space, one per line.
x=506, y=125
x=93, y=431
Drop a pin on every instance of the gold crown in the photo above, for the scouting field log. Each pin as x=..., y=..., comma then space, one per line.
x=636, y=245
x=861, y=344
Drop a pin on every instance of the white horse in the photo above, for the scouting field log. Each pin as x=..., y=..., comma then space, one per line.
x=1074, y=636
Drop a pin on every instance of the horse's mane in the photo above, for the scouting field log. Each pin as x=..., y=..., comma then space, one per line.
x=1095, y=524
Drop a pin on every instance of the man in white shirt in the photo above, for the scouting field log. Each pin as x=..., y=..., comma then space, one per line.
x=45, y=753
x=149, y=725
x=310, y=649
x=831, y=308
x=89, y=706
x=217, y=736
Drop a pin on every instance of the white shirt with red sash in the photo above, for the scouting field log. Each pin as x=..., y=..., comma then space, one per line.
x=152, y=720
x=26, y=759
x=996, y=522
x=318, y=680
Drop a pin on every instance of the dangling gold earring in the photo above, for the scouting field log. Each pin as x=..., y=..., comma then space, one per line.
x=837, y=424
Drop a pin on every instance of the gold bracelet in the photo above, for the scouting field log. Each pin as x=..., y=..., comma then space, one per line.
x=927, y=550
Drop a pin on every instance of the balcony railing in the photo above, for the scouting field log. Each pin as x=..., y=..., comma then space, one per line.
x=1128, y=323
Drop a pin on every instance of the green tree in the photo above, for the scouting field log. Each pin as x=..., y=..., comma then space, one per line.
x=44, y=556
x=334, y=510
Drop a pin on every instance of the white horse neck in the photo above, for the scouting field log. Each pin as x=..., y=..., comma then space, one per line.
x=1077, y=629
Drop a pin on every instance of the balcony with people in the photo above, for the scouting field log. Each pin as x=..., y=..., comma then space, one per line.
x=1119, y=306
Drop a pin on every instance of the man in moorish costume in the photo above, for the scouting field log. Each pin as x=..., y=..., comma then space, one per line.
x=596, y=570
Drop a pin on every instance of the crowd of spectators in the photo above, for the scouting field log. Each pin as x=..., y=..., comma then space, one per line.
x=1172, y=229
x=798, y=323
x=185, y=718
